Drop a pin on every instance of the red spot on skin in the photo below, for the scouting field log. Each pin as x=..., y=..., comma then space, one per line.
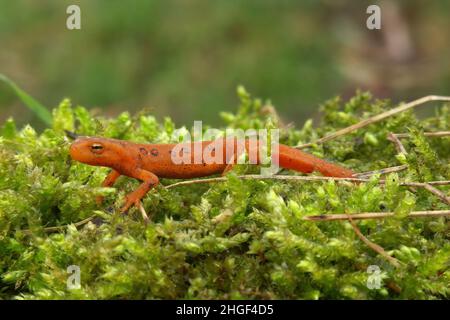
x=143, y=151
x=154, y=152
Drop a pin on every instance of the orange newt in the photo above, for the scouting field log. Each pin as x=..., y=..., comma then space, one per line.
x=149, y=162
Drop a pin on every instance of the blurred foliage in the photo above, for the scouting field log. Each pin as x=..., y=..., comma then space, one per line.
x=183, y=58
x=231, y=240
x=34, y=106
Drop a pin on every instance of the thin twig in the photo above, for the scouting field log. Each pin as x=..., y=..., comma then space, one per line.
x=375, y=247
x=376, y=215
x=60, y=228
x=143, y=213
x=296, y=178
x=437, y=193
x=331, y=217
x=426, y=134
x=400, y=149
x=376, y=118
x=429, y=186
x=323, y=217
x=398, y=144
x=381, y=171
x=433, y=183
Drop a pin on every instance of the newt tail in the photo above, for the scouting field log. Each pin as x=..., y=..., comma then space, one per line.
x=149, y=162
x=300, y=161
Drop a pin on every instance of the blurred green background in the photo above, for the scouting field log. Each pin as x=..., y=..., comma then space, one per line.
x=186, y=58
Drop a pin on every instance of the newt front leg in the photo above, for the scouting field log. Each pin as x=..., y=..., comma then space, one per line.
x=149, y=179
x=108, y=182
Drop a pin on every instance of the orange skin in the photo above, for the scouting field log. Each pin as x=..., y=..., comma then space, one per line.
x=149, y=162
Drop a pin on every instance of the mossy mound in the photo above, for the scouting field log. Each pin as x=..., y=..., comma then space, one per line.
x=229, y=240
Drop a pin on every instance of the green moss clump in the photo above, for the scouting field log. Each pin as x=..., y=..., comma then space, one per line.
x=231, y=240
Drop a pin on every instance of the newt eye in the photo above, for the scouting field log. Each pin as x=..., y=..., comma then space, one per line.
x=97, y=148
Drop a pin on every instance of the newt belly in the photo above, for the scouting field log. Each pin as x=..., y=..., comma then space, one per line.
x=149, y=162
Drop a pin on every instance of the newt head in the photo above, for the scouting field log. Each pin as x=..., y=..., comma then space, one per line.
x=97, y=151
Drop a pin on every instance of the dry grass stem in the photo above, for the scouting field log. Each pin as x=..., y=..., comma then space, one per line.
x=376, y=118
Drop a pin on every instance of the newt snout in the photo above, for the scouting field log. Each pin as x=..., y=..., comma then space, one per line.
x=96, y=151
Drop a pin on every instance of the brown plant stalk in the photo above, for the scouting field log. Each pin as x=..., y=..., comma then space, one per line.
x=376, y=118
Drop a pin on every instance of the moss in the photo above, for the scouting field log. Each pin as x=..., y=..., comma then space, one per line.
x=231, y=240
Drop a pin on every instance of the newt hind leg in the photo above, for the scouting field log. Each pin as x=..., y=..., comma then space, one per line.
x=233, y=161
x=227, y=169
